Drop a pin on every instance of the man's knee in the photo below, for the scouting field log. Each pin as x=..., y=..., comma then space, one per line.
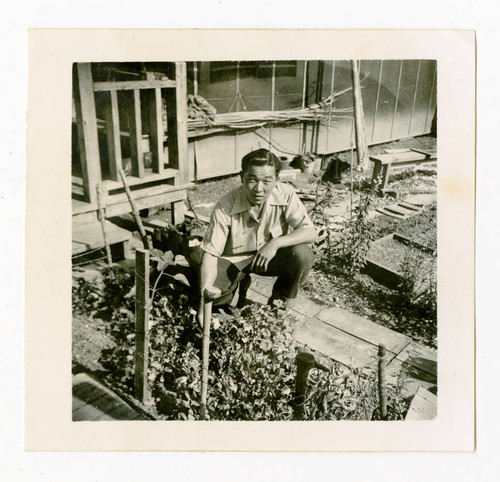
x=301, y=255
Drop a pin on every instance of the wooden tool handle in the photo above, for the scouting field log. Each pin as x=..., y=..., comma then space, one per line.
x=211, y=293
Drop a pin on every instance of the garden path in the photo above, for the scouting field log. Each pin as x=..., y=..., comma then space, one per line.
x=353, y=340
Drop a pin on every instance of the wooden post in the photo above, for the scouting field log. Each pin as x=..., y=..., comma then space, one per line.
x=87, y=130
x=177, y=123
x=305, y=362
x=141, y=324
x=318, y=97
x=113, y=136
x=382, y=393
x=135, y=129
x=359, y=118
x=156, y=129
x=177, y=212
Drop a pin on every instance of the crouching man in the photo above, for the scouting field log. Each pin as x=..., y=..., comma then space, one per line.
x=260, y=227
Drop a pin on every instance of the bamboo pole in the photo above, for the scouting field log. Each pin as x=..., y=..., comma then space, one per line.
x=303, y=126
x=135, y=212
x=359, y=118
x=102, y=218
x=382, y=391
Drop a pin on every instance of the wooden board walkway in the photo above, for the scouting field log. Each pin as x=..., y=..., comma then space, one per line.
x=353, y=340
x=92, y=401
x=344, y=336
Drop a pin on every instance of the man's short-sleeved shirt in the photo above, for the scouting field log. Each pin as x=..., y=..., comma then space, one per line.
x=235, y=230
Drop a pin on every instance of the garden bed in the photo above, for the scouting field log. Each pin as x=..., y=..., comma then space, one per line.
x=394, y=257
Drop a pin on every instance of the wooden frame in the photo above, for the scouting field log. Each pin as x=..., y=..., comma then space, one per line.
x=144, y=95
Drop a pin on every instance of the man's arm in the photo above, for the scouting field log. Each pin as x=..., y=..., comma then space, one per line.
x=268, y=251
x=208, y=271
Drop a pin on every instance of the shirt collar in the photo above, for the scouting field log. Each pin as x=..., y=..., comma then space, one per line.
x=241, y=203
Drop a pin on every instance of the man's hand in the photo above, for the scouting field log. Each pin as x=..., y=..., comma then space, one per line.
x=264, y=255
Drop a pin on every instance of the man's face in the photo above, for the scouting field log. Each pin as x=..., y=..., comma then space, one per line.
x=258, y=182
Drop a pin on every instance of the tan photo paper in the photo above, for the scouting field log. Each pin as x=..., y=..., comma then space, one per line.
x=250, y=240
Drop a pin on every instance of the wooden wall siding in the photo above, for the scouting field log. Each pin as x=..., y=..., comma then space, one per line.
x=399, y=99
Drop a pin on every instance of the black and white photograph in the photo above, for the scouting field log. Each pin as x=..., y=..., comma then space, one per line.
x=254, y=240
x=255, y=248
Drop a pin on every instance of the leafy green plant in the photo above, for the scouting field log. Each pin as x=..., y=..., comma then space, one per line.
x=349, y=394
x=252, y=354
x=349, y=248
x=415, y=299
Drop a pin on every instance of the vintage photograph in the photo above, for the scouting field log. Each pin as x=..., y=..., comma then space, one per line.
x=254, y=240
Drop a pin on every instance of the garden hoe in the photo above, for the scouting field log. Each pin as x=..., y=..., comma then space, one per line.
x=210, y=294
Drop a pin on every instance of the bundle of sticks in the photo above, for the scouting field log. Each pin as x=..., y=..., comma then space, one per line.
x=322, y=112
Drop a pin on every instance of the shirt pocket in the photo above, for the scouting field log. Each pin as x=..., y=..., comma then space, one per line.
x=278, y=230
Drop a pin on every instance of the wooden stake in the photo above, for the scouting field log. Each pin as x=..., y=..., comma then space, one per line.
x=305, y=362
x=359, y=118
x=141, y=323
x=135, y=211
x=102, y=218
x=382, y=393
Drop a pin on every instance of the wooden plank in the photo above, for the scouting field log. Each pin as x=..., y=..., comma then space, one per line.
x=177, y=123
x=110, y=185
x=94, y=401
x=113, y=136
x=134, y=85
x=337, y=344
x=147, y=201
x=104, y=405
x=87, y=130
x=156, y=130
x=135, y=129
x=306, y=306
x=123, y=412
x=423, y=406
x=403, y=156
x=89, y=236
x=84, y=393
x=87, y=413
x=364, y=329
x=141, y=324
x=147, y=192
x=426, y=152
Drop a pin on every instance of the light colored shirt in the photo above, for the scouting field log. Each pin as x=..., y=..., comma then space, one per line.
x=236, y=228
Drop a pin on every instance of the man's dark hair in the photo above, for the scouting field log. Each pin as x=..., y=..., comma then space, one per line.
x=261, y=157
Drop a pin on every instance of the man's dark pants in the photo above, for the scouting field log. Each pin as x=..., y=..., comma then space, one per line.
x=291, y=265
